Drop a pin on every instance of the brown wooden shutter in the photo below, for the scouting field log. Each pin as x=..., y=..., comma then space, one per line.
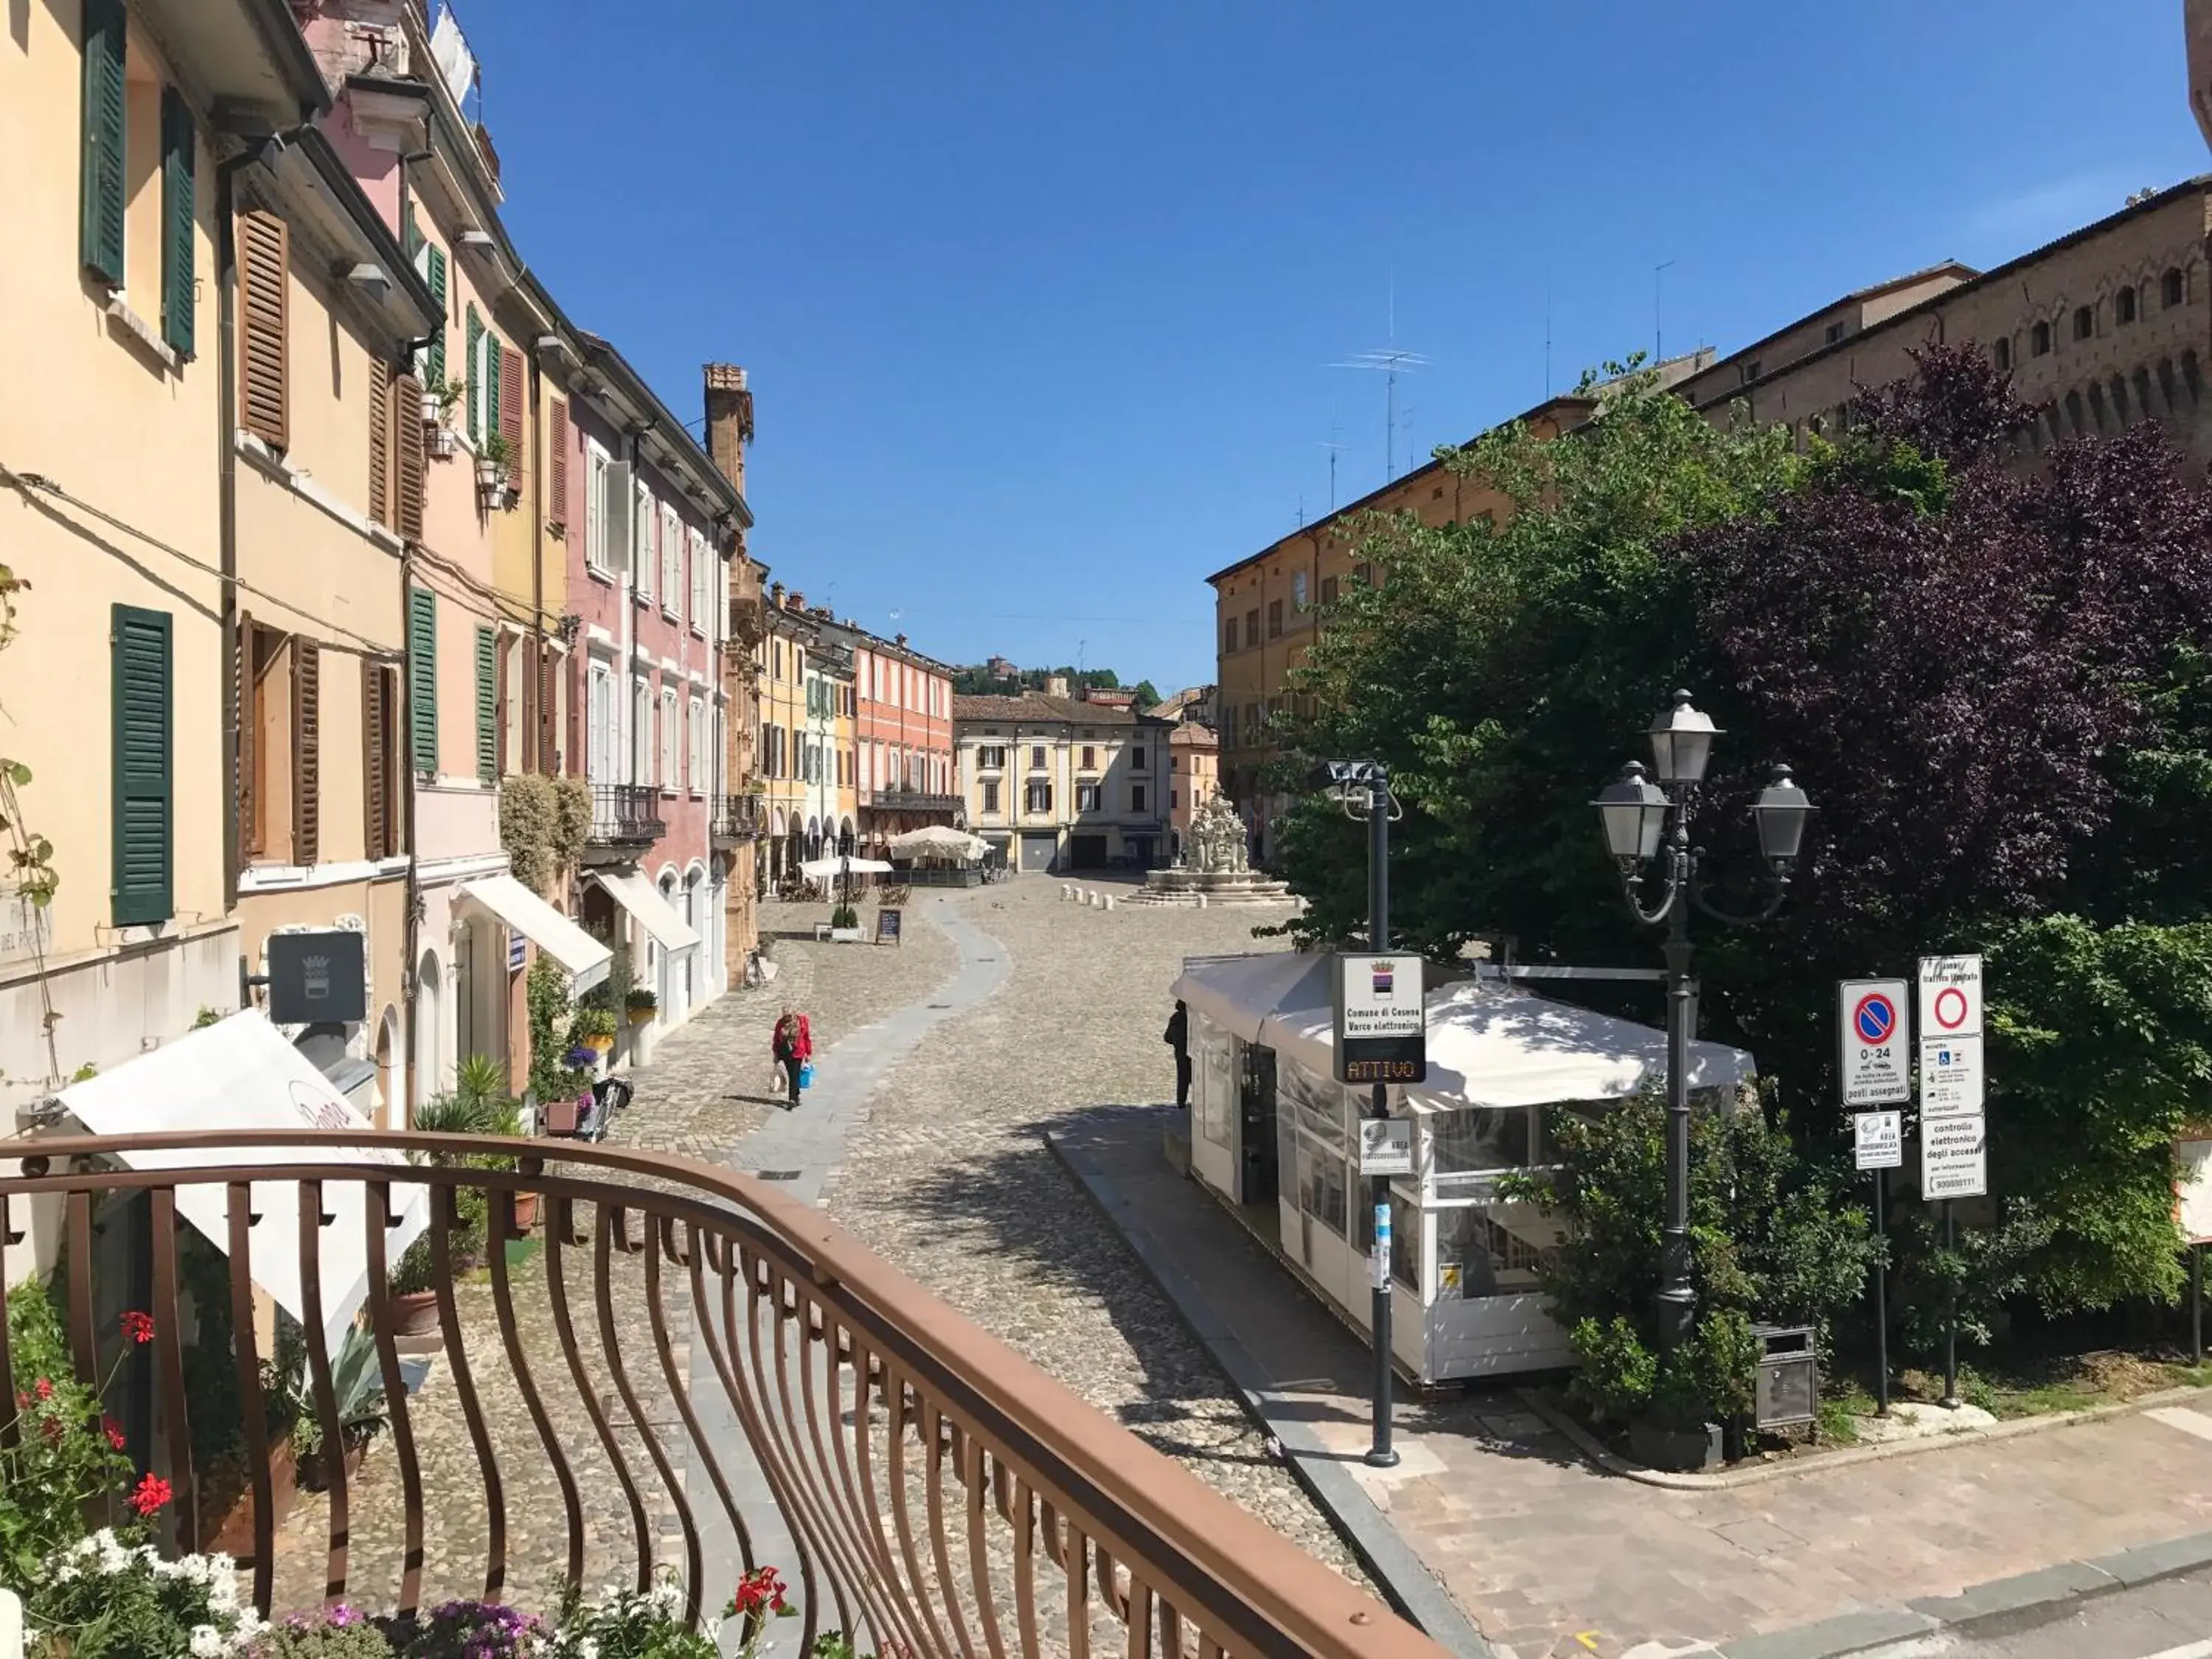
x=510, y=403
x=306, y=750
x=264, y=390
x=380, y=413
x=548, y=698
x=376, y=760
x=556, y=473
x=410, y=463
x=249, y=741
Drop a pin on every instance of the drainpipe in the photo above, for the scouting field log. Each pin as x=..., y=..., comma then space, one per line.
x=537, y=477
x=411, y=932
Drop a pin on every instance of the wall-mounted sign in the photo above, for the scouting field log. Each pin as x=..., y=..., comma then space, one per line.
x=1873, y=1054
x=318, y=978
x=1382, y=1020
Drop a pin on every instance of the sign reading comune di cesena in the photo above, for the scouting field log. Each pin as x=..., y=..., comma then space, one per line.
x=1382, y=1020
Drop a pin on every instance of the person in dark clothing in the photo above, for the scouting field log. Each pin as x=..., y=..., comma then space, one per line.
x=793, y=1044
x=1177, y=1037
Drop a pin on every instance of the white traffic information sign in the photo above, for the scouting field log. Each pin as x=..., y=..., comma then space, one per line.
x=1873, y=1048
x=1950, y=997
x=1950, y=1076
x=1954, y=1156
x=1878, y=1140
x=1386, y=1145
x=1382, y=1020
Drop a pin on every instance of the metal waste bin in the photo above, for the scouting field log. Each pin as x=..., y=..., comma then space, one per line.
x=1789, y=1390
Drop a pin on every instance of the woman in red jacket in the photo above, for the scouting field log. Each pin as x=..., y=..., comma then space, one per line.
x=793, y=1044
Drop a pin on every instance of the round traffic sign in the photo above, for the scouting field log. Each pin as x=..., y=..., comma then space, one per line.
x=1950, y=1008
x=1875, y=1018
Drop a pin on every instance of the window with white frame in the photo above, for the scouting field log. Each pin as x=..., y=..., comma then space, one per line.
x=698, y=772
x=719, y=734
x=669, y=729
x=702, y=582
x=671, y=560
x=640, y=731
x=602, y=728
x=641, y=542
x=598, y=468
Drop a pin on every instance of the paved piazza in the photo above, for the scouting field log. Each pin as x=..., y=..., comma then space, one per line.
x=945, y=1171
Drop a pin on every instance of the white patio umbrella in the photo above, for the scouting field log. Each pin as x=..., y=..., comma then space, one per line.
x=939, y=840
x=823, y=869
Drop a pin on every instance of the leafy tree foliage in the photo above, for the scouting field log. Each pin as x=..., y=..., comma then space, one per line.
x=1989, y=669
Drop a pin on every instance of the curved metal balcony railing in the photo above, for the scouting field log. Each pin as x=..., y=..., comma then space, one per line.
x=688, y=1368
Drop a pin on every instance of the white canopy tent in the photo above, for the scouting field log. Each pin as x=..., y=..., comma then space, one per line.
x=1272, y=1131
x=240, y=1073
x=832, y=869
x=939, y=841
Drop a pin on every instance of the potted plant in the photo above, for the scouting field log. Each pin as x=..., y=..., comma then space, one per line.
x=495, y=460
x=357, y=1385
x=845, y=925
x=642, y=1004
x=437, y=416
x=594, y=1029
x=413, y=1287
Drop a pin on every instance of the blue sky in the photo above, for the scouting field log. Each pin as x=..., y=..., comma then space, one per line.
x=1038, y=298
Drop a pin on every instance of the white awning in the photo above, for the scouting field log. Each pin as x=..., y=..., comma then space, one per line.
x=584, y=956
x=240, y=1073
x=1490, y=1045
x=636, y=894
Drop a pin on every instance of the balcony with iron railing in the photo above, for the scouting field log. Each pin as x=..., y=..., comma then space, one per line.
x=658, y=1365
x=738, y=819
x=625, y=816
x=915, y=800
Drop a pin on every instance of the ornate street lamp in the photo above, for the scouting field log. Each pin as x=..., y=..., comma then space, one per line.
x=1642, y=822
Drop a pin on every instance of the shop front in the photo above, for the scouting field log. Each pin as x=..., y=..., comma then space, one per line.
x=1277, y=1136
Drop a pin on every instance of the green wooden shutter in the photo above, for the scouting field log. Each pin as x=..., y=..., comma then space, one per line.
x=491, y=384
x=100, y=234
x=487, y=706
x=474, y=339
x=437, y=280
x=180, y=225
x=423, y=678
x=143, y=788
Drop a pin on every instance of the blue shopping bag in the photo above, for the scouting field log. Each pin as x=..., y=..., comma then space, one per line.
x=806, y=1075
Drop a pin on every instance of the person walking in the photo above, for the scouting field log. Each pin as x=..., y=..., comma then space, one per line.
x=793, y=1046
x=1177, y=1037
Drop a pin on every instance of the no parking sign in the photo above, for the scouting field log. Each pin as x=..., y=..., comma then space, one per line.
x=1873, y=1043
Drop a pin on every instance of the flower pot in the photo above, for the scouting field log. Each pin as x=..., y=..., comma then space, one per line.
x=1676, y=1447
x=415, y=1313
x=642, y=1016
x=226, y=1511
x=443, y=442
x=434, y=410
x=526, y=1212
x=605, y=1044
x=314, y=1474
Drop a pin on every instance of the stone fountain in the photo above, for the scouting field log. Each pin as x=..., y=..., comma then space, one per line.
x=1214, y=867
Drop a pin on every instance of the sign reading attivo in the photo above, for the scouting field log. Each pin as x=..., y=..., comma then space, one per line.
x=1382, y=1020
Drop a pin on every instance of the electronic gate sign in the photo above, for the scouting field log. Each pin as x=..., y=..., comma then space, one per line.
x=1873, y=1048
x=1381, y=1019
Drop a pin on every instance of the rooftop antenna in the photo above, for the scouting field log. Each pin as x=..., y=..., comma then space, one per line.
x=1547, y=336
x=1334, y=448
x=1390, y=363
x=1302, y=509
x=1658, y=338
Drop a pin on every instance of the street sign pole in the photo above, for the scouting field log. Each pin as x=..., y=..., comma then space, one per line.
x=1380, y=1454
x=2196, y=1304
x=1950, y=1402
x=1881, y=1298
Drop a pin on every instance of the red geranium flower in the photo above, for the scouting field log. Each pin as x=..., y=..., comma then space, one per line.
x=758, y=1592
x=152, y=1492
x=50, y=1427
x=113, y=1431
x=45, y=1388
x=138, y=1327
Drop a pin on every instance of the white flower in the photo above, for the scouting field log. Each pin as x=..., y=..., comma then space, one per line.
x=113, y=1558
x=207, y=1642
x=222, y=1588
x=587, y=1648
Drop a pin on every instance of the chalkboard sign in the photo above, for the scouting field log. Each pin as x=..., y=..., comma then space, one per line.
x=887, y=926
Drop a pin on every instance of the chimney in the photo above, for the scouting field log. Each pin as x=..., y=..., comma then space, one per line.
x=797, y=602
x=729, y=420
x=775, y=594
x=898, y=639
x=1055, y=685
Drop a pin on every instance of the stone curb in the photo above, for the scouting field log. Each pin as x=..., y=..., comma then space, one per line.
x=1613, y=1463
x=1405, y=1583
x=2027, y=1599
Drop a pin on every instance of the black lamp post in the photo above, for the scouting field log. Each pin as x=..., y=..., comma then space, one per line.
x=1644, y=822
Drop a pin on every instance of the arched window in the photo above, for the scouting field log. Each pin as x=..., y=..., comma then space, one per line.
x=2085, y=322
x=2176, y=287
x=2039, y=340
x=2074, y=411
x=2123, y=306
x=2000, y=354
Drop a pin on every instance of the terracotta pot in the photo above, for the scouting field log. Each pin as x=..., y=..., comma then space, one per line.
x=226, y=1516
x=526, y=1212
x=642, y=1016
x=415, y=1313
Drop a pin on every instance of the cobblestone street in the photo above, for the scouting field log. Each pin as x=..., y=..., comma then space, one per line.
x=946, y=1174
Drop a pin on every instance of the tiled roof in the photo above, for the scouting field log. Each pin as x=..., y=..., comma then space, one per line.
x=1038, y=707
